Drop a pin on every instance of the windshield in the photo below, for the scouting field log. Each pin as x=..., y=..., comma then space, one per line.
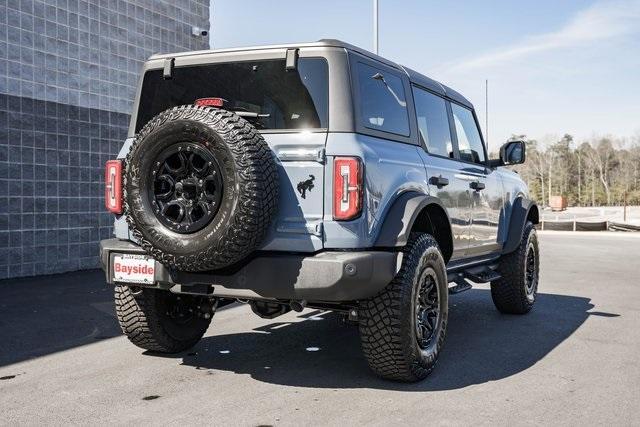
x=278, y=99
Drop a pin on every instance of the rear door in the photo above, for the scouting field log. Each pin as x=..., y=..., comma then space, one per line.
x=443, y=167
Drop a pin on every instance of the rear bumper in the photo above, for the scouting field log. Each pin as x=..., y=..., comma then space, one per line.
x=325, y=276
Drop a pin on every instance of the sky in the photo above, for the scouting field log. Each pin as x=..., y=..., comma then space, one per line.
x=554, y=67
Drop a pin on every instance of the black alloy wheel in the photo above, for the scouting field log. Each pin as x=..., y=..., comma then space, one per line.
x=427, y=308
x=187, y=187
x=531, y=272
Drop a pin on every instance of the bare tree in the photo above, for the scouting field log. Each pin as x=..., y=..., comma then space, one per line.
x=601, y=157
x=598, y=171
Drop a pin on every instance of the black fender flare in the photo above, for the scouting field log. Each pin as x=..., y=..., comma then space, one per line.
x=400, y=218
x=519, y=213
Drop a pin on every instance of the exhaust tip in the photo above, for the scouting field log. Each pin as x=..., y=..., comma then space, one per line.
x=298, y=306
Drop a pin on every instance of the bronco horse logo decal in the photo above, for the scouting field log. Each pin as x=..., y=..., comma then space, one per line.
x=304, y=186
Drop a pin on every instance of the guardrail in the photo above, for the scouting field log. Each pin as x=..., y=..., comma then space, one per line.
x=621, y=226
x=575, y=225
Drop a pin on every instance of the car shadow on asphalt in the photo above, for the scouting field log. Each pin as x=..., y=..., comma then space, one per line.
x=482, y=345
x=47, y=314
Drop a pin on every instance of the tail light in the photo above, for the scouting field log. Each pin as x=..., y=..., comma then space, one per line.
x=210, y=102
x=347, y=188
x=113, y=186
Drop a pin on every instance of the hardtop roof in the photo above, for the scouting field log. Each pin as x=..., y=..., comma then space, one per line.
x=414, y=76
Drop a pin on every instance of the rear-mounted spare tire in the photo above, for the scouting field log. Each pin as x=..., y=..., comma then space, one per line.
x=200, y=188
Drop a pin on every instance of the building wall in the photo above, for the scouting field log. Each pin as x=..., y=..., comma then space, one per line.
x=68, y=74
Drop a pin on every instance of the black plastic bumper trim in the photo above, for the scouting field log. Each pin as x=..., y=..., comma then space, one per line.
x=323, y=276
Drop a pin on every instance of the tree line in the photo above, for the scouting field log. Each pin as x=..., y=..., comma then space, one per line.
x=595, y=172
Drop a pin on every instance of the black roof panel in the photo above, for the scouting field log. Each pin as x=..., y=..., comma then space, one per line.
x=414, y=76
x=436, y=87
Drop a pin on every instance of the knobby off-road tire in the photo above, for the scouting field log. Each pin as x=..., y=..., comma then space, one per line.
x=248, y=174
x=144, y=318
x=388, y=321
x=515, y=292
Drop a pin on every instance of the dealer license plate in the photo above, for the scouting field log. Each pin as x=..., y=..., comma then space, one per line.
x=132, y=268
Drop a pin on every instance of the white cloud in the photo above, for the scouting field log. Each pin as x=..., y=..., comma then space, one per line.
x=602, y=21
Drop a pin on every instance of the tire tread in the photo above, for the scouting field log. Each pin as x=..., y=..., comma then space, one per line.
x=508, y=292
x=141, y=322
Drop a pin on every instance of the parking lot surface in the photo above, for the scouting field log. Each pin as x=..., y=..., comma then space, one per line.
x=573, y=360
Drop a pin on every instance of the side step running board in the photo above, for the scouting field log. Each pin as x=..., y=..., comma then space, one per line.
x=461, y=285
x=482, y=274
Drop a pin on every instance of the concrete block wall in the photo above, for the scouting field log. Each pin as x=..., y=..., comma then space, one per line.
x=68, y=74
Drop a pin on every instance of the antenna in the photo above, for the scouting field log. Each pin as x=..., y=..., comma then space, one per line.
x=375, y=26
x=486, y=112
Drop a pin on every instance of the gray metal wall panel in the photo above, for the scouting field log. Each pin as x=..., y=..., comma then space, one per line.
x=67, y=81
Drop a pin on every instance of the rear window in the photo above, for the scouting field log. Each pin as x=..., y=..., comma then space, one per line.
x=294, y=99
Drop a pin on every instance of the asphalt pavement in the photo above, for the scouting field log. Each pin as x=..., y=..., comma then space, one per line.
x=573, y=360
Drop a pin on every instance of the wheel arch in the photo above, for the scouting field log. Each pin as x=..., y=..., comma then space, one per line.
x=416, y=212
x=522, y=210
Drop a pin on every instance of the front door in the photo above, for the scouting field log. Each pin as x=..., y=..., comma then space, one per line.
x=484, y=185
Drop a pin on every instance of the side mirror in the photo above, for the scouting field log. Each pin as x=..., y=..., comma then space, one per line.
x=511, y=153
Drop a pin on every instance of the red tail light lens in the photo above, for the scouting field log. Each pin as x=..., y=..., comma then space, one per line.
x=113, y=186
x=210, y=102
x=347, y=188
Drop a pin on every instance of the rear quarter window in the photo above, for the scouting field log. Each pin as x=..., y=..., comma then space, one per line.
x=383, y=105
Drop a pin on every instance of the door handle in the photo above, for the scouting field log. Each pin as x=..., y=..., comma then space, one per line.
x=477, y=185
x=439, y=181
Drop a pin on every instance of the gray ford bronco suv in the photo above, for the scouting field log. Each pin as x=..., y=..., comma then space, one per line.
x=311, y=175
